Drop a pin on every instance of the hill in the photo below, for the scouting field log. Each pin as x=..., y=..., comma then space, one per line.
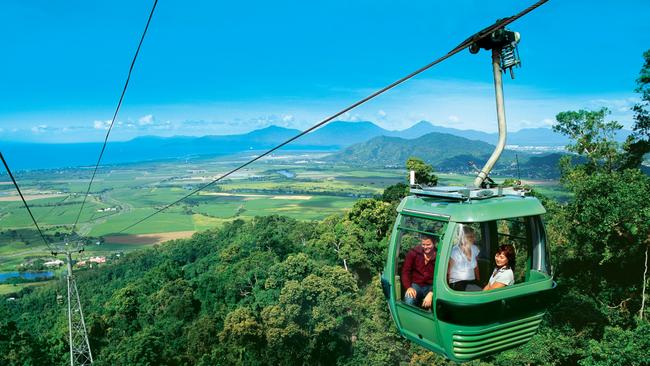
x=447, y=153
x=439, y=149
x=333, y=136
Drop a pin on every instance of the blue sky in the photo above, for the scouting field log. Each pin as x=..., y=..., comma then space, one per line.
x=213, y=67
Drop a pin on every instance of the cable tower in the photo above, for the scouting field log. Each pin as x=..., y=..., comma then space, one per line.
x=80, y=353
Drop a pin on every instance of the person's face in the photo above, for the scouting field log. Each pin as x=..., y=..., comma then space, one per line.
x=427, y=245
x=469, y=238
x=501, y=259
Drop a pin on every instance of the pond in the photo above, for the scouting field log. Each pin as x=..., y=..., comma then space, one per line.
x=26, y=275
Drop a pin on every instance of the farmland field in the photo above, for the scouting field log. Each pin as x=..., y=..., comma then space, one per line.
x=296, y=185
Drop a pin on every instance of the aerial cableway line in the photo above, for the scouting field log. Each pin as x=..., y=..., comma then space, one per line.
x=117, y=110
x=486, y=32
x=79, y=345
x=20, y=193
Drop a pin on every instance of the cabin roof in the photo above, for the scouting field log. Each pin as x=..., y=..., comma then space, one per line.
x=493, y=208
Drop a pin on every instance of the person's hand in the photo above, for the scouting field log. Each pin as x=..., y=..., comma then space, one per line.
x=411, y=292
x=426, y=303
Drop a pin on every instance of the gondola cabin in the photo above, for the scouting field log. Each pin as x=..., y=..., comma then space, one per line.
x=469, y=324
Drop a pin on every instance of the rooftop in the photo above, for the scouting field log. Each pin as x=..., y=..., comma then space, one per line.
x=470, y=205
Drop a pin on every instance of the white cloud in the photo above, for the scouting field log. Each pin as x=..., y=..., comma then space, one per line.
x=39, y=129
x=381, y=114
x=146, y=120
x=453, y=118
x=101, y=125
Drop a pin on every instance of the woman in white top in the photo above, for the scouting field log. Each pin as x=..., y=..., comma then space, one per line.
x=503, y=274
x=463, y=271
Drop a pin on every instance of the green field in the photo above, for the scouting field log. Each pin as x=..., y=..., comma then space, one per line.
x=294, y=185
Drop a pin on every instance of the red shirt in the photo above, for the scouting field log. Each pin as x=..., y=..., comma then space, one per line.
x=415, y=271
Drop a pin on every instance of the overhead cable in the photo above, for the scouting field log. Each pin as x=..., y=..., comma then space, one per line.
x=20, y=193
x=117, y=109
x=474, y=38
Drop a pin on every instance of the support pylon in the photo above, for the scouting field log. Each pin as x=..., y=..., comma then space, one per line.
x=80, y=353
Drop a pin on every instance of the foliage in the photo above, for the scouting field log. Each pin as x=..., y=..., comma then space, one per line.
x=273, y=290
x=395, y=193
x=619, y=347
x=592, y=137
x=19, y=347
x=638, y=144
x=423, y=171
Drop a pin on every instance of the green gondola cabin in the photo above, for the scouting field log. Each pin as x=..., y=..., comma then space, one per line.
x=465, y=325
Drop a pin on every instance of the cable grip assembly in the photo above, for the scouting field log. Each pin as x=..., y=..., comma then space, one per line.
x=505, y=42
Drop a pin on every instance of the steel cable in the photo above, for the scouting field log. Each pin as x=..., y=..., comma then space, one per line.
x=119, y=104
x=20, y=193
x=474, y=38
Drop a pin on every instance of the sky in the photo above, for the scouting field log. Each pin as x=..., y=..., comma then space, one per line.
x=225, y=67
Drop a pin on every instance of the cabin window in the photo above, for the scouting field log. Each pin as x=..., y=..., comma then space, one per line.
x=515, y=232
x=469, y=257
x=413, y=236
x=481, y=242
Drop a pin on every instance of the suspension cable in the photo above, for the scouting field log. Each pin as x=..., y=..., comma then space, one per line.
x=119, y=104
x=474, y=38
x=25, y=202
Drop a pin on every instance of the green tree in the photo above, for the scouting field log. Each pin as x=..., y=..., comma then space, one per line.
x=604, y=229
x=312, y=319
x=242, y=336
x=20, y=348
x=395, y=193
x=619, y=347
x=592, y=137
x=638, y=144
x=423, y=171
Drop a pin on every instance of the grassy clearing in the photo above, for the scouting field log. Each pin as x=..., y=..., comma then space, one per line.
x=6, y=289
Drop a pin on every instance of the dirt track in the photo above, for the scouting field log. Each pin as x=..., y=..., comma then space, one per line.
x=148, y=238
x=29, y=197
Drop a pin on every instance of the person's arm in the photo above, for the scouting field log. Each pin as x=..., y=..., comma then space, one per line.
x=451, y=264
x=500, y=280
x=477, y=273
x=426, y=303
x=407, y=269
x=493, y=286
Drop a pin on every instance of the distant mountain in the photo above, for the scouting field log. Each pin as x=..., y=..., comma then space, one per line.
x=436, y=148
x=343, y=133
x=526, y=136
x=333, y=136
x=423, y=127
x=447, y=153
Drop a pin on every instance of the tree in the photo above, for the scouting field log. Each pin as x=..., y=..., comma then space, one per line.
x=423, y=171
x=592, y=137
x=312, y=319
x=638, y=144
x=620, y=347
x=395, y=193
x=242, y=336
x=20, y=348
x=606, y=227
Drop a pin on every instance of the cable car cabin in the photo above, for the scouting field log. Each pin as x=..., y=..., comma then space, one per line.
x=468, y=324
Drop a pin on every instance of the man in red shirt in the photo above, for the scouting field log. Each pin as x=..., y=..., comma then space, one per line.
x=417, y=272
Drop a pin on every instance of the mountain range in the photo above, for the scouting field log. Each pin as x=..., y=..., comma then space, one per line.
x=331, y=137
